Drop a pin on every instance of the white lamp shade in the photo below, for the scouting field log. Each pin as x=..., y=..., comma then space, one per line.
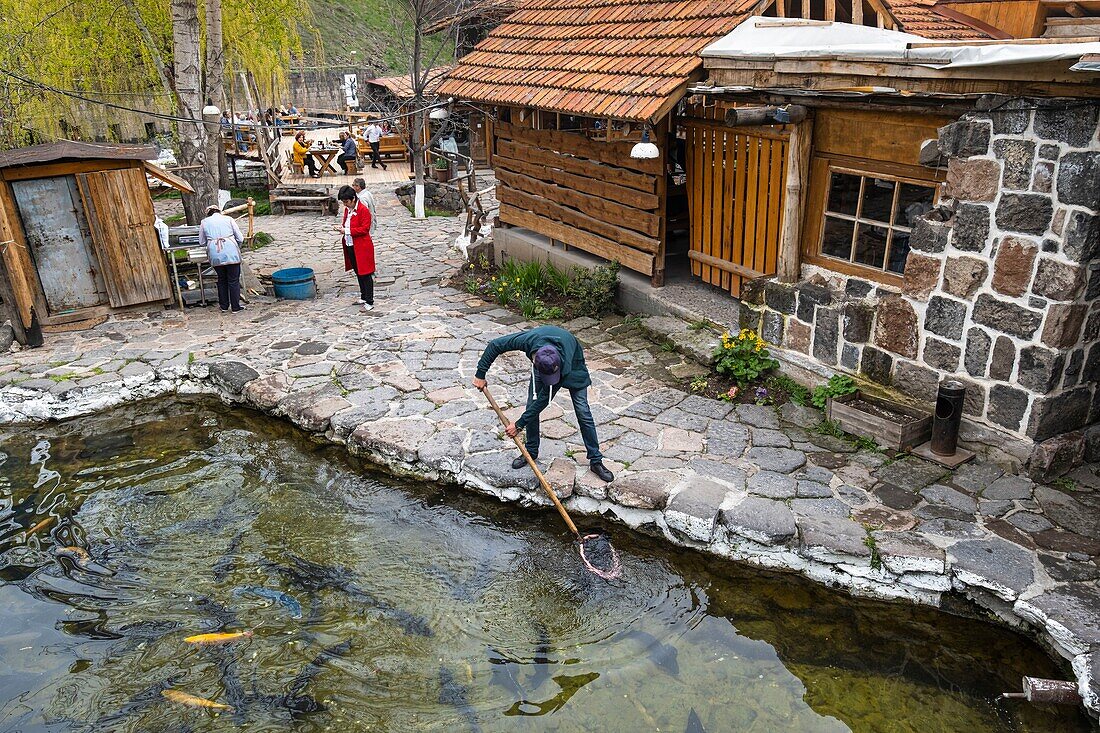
x=440, y=113
x=644, y=149
x=211, y=109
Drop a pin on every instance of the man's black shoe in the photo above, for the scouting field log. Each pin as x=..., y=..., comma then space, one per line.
x=520, y=462
x=602, y=473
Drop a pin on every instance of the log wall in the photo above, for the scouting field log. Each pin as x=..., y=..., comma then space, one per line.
x=584, y=193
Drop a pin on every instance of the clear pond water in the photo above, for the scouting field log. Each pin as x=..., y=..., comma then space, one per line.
x=381, y=605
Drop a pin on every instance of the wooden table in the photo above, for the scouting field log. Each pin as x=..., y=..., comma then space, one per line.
x=324, y=158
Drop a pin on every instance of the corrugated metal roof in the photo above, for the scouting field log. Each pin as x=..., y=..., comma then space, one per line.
x=621, y=58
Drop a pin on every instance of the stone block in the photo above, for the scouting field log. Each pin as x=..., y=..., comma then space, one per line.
x=232, y=376
x=1006, y=317
x=1018, y=157
x=1081, y=236
x=399, y=439
x=1079, y=179
x=771, y=327
x=1060, y=413
x=826, y=336
x=944, y=317
x=858, y=318
x=779, y=297
x=962, y=276
x=1053, y=122
x=965, y=138
x=922, y=275
x=931, y=235
x=809, y=297
x=946, y=496
x=1003, y=360
x=752, y=291
x=976, y=359
x=1042, y=179
x=1091, y=371
x=1030, y=213
x=1056, y=456
x=1048, y=151
x=1040, y=369
x=765, y=521
x=443, y=452
x=1058, y=280
x=856, y=288
x=1074, y=364
x=798, y=336
x=749, y=318
x=971, y=230
x=916, y=381
x=930, y=155
x=849, y=357
x=1013, y=265
x=999, y=566
x=772, y=485
x=648, y=490
x=1006, y=406
x=941, y=355
x=315, y=417
x=693, y=512
x=1012, y=116
x=896, y=327
x=876, y=365
x=779, y=460
x=907, y=552
x=833, y=540
x=973, y=179
x=727, y=439
x=267, y=392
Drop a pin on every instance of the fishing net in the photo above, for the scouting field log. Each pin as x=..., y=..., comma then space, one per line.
x=599, y=556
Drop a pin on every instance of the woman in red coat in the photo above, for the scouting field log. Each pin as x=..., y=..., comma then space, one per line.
x=358, y=247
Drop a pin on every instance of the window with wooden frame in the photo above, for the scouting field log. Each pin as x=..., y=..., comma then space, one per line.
x=868, y=218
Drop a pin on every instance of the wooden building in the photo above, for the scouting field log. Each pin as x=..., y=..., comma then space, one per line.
x=574, y=86
x=77, y=235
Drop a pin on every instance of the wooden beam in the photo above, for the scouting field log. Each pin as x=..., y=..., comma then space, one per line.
x=23, y=173
x=10, y=302
x=788, y=265
x=748, y=116
x=556, y=211
x=857, y=12
x=164, y=176
x=518, y=150
x=590, y=183
x=612, y=153
x=724, y=265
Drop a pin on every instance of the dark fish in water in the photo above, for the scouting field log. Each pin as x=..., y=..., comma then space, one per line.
x=453, y=694
x=297, y=702
x=152, y=629
x=228, y=562
x=541, y=660
x=290, y=603
x=410, y=623
x=569, y=685
x=502, y=673
x=661, y=654
x=217, y=611
x=694, y=725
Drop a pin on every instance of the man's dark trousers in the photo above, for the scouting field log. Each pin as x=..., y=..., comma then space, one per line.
x=584, y=420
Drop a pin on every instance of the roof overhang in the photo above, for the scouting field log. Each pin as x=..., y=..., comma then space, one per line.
x=169, y=179
x=63, y=150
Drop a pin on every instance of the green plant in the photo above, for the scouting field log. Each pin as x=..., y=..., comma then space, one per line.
x=529, y=305
x=530, y=276
x=699, y=385
x=175, y=219
x=556, y=280
x=744, y=357
x=592, y=292
x=473, y=287
x=1064, y=483
x=730, y=395
x=633, y=321
x=261, y=239
x=701, y=325
x=838, y=385
x=830, y=428
x=797, y=393
x=552, y=313
x=870, y=544
x=441, y=164
x=865, y=443
x=668, y=347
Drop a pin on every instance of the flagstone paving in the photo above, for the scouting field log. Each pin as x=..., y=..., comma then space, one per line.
x=752, y=483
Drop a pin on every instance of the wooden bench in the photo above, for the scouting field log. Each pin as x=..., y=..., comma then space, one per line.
x=391, y=146
x=302, y=202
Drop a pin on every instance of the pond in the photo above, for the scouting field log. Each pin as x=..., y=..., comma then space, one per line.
x=374, y=604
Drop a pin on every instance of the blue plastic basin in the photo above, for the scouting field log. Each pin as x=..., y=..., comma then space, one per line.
x=294, y=283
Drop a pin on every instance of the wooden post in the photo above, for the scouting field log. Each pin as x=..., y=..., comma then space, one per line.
x=11, y=305
x=661, y=133
x=788, y=266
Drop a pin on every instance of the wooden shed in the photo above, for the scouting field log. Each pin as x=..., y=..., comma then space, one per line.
x=77, y=234
x=574, y=86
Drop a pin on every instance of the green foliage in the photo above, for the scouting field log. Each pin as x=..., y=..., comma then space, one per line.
x=633, y=321
x=830, y=428
x=556, y=281
x=699, y=385
x=702, y=325
x=260, y=198
x=175, y=219
x=1064, y=483
x=797, y=393
x=838, y=385
x=440, y=163
x=744, y=357
x=870, y=544
x=668, y=347
x=592, y=292
x=864, y=442
x=261, y=239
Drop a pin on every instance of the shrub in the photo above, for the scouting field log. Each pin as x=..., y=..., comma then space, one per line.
x=593, y=291
x=261, y=239
x=838, y=384
x=699, y=385
x=797, y=394
x=743, y=358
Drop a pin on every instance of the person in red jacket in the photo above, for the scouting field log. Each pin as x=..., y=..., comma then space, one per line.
x=358, y=246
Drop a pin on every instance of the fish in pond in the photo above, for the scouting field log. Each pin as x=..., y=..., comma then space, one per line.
x=77, y=554
x=661, y=654
x=228, y=562
x=289, y=602
x=143, y=700
x=192, y=701
x=220, y=638
x=694, y=725
x=541, y=660
x=455, y=695
x=297, y=702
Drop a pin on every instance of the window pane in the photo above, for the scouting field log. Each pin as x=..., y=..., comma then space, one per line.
x=912, y=202
x=899, y=250
x=871, y=245
x=837, y=241
x=843, y=193
x=878, y=198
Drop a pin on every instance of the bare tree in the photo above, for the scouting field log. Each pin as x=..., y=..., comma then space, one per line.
x=187, y=85
x=215, y=85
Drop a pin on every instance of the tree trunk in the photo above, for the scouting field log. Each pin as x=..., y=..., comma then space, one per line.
x=187, y=68
x=215, y=86
x=418, y=162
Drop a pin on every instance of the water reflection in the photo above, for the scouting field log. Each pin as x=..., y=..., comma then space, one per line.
x=343, y=600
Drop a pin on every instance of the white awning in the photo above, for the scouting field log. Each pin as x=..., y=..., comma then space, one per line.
x=762, y=39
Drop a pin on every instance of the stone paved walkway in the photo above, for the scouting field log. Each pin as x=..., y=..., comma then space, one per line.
x=750, y=483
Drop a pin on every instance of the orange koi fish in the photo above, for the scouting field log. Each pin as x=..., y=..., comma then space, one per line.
x=221, y=638
x=39, y=527
x=77, y=554
x=191, y=701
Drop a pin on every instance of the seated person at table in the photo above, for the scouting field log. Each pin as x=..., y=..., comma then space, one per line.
x=302, y=156
x=350, y=152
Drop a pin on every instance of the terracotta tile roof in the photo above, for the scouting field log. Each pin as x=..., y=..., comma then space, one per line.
x=401, y=86
x=626, y=59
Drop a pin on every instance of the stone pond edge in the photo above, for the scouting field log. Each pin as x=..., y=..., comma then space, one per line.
x=916, y=577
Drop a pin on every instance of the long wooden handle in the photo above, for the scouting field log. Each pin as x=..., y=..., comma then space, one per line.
x=531, y=462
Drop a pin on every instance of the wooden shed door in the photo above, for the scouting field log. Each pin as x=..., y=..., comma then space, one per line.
x=56, y=232
x=735, y=180
x=120, y=213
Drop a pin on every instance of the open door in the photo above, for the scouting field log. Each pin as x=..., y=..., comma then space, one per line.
x=120, y=216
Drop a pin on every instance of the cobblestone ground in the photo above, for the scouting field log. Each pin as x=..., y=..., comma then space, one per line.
x=751, y=483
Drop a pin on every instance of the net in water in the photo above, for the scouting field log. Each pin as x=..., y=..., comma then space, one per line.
x=599, y=556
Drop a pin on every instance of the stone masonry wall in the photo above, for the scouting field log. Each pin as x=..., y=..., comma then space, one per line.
x=1001, y=288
